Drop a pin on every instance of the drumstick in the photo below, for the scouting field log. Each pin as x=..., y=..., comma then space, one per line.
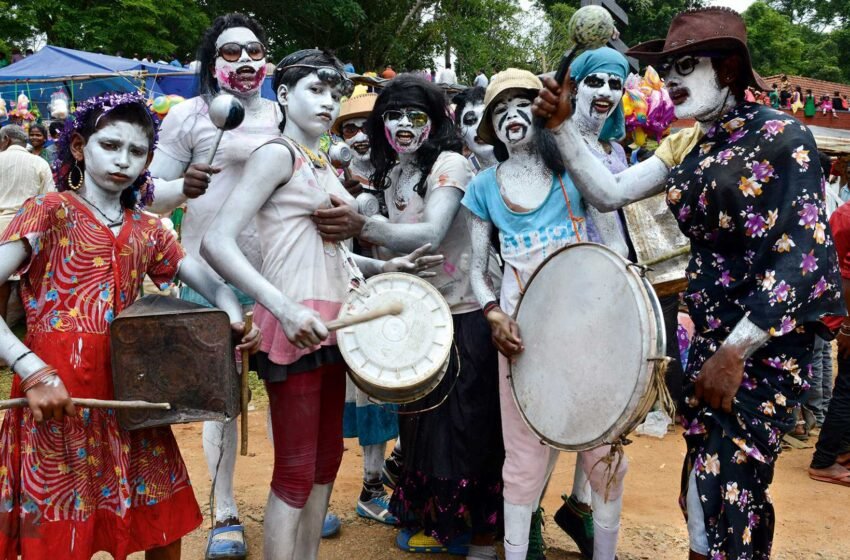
x=389, y=308
x=249, y=322
x=667, y=256
x=94, y=403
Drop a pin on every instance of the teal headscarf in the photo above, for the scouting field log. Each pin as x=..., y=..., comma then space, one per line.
x=604, y=59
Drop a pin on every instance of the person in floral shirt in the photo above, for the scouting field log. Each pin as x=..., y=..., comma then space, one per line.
x=746, y=189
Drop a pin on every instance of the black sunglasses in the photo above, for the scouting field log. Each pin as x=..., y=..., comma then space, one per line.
x=684, y=66
x=231, y=52
x=594, y=81
x=328, y=75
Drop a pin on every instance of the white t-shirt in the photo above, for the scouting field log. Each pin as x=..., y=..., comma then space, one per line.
x=450, y=170
x=187, y=135
x=447, y=76
x=481, y=81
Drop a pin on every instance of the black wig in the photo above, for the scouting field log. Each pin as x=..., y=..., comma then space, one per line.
x=291, y=76
x=207, y=82
x=468, y=96
x=408, y=90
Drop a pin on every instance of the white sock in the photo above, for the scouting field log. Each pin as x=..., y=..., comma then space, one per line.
x=604, y=542
x=477, y=552
x=516, y=552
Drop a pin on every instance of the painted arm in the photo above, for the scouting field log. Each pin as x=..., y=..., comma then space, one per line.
x=49, y=399
x=504, y=329
x=199, y=278
x=418, y=262
x=604, y=190
x=270, y=168
x=443, y=205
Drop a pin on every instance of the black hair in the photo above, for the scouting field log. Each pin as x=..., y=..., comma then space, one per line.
x=409, y=90
x=291, y=76
x=544, y=141
x=468, y=96
x=133, y=113
x=739, y=85
x=207, y=83
x=55, y=128
x=825, y=163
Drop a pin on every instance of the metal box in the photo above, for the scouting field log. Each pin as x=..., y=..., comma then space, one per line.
x=168, y=350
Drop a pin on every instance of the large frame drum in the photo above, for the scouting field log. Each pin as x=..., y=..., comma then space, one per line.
x=397, y=358
x=593, y=335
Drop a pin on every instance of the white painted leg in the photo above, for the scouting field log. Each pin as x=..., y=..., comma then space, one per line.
x=606, y=526
x=517, y=526
x=373, y=461
x=581, y=485
x=280, y=528
x=310, y=528
x=220, y=443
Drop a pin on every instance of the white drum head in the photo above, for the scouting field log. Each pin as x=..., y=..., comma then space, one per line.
x=589, y=328
x=397, y=355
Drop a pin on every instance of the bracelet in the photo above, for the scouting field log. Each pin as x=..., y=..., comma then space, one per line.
x=490, y=306
x=39, y=376
x=18, y=359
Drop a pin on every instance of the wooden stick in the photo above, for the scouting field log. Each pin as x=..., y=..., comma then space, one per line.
x=390, y=308
x=249, y=322
x=667, y=256
x=94, y=403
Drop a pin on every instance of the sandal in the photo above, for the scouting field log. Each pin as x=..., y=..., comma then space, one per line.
x=841, y=480
x=843, y=459
x=227, y=543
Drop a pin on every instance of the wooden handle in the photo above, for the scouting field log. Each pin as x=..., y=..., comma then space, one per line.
x=94, y=403
x=666, y=257
x=389, y=308
x=249, y=323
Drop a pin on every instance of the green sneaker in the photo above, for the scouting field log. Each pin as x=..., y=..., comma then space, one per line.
x=536, y=544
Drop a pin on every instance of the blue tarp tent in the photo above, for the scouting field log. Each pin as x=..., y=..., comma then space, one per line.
x=82, y=74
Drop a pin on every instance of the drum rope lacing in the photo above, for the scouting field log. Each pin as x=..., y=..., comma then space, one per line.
x=432, y=407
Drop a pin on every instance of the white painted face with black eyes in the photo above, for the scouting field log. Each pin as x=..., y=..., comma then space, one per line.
x=470, y=117
x=511, y=118
x=597, y=96
x=694, y=88
x=353, y=135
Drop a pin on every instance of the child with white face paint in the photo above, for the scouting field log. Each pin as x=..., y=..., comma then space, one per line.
x=232, y=60
x=739, y=183
x=351, y=126
x=301, y=284
x=82, y=253
x=469, y=106
x=536, y=209
x=450, y=485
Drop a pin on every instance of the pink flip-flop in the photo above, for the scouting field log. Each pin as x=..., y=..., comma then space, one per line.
x=843, y=480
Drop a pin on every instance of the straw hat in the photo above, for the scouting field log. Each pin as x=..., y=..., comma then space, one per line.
x=357, y=106
x=700, y=30
x=512, y=78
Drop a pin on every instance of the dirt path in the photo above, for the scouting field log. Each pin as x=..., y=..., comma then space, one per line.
x=812, y=516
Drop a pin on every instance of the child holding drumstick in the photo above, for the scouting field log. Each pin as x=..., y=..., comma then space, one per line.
x=72, y=482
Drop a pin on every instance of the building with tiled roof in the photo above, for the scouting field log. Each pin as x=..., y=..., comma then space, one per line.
x=818, y=87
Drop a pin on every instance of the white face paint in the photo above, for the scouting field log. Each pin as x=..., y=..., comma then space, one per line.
x=311, y=105
x=511, y=118
x=597, y=96
x=405, y=129
x=359, y=143
x=115, y=156
x=245, y=76
x=696, y=94
x=469, y=120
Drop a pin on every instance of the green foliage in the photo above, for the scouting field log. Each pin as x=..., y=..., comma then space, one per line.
x=156, y=27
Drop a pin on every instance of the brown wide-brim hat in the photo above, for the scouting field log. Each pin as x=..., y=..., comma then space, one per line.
x=702, y=30
x=354, y=107
x=512, y=78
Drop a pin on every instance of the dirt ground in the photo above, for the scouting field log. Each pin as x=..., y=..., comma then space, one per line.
x=812, y=516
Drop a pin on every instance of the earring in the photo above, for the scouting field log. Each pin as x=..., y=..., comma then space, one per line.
x=71, y=185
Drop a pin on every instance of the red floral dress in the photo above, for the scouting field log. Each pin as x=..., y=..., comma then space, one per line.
x=73, y=487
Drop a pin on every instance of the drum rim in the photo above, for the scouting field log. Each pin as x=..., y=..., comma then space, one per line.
x=652, y=343
x=412, y=392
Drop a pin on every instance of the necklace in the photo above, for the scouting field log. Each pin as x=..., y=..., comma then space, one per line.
x=315, y=159
x=110, y=222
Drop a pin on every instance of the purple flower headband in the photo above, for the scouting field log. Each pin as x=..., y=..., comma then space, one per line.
x=102, y=105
